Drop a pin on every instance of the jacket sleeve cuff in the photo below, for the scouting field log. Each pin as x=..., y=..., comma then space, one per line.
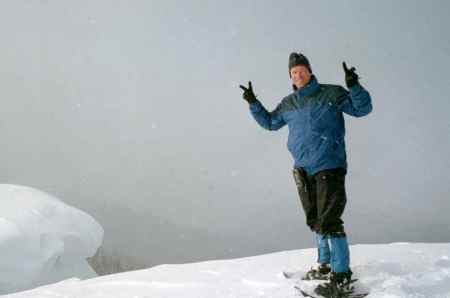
x=356, y=89
x=255, y=106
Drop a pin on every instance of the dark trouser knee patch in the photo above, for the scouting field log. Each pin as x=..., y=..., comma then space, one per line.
x=323, y=199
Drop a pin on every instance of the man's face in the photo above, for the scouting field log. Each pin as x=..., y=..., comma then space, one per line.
x=300, y=76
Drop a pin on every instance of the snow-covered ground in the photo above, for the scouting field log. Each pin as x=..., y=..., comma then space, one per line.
x=388, y=270
x=42, y=240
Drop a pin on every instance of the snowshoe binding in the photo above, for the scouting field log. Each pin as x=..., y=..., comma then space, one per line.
x=322, y=272
x=341, y=285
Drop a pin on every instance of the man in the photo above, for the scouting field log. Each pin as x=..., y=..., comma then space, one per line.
x=314, y=115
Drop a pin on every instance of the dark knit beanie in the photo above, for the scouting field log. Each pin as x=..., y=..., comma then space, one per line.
x=298, y=59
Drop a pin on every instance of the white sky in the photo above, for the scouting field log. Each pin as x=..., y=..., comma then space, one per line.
x=131, y=111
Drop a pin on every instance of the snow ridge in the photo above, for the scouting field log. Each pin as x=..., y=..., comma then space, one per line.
x=403, y=270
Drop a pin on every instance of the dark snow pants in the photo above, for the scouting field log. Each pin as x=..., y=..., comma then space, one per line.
x=323, y=199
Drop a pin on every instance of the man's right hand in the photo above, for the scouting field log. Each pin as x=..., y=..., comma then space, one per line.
x=248, y=95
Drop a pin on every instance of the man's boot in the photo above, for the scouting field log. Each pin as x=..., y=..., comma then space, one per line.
x=322, y=272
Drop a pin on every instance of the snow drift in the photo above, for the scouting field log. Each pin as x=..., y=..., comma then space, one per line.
x=399, y=270
x=42, y=240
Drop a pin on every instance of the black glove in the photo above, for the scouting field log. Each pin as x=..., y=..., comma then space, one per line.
x=351, y=78
x=248, y=95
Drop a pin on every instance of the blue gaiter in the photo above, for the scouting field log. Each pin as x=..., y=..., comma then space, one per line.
x=323, y=249
x=340, y=254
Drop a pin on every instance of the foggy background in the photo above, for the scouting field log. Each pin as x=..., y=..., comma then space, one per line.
x=131, y=111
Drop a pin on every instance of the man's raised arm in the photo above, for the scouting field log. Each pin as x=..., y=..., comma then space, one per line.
x=270, y=121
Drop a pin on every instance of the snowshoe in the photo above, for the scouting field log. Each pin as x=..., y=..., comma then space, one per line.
x=341, y=285
x=322, y=272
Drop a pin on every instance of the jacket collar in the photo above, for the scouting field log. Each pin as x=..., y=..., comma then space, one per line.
x=310, y=88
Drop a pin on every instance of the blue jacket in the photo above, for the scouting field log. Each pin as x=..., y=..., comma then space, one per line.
x=314, y=115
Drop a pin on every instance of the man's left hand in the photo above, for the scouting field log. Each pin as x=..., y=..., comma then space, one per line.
x=351, y=78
